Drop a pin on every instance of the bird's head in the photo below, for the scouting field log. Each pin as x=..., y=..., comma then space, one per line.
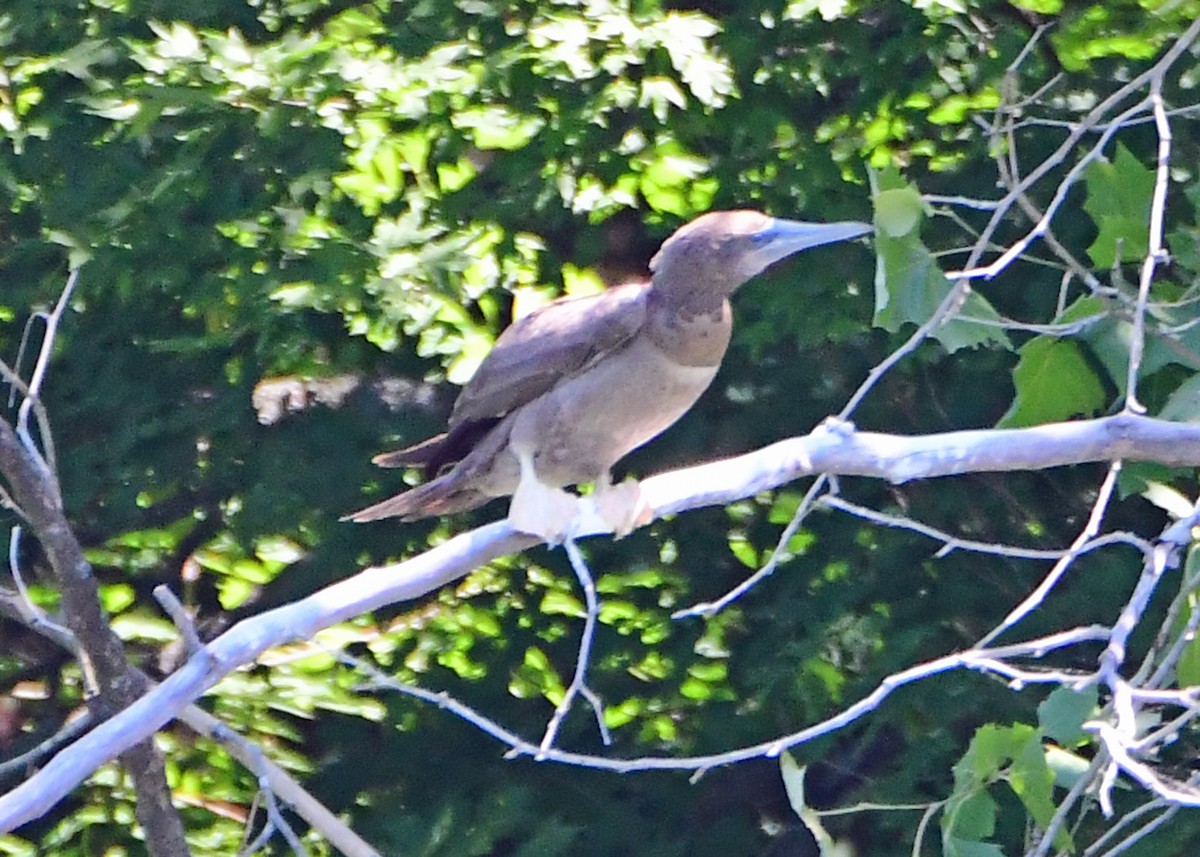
x=717, y=252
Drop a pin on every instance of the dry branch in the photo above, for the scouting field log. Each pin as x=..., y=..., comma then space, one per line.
x=100, y=651
x=835, y=448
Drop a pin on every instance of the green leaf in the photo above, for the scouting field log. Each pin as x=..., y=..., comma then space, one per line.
x=1053, y=382
x=707, y=75
x=561, y=604
x=830, y=10
x=954, y=847
x=1061, y=715
x=233, y=592
x=1183, y=405
x=1033, y=782
x=991, y=748
x=497, y=127
x=695, y=689
x=115, y=597
x=1119, y=194
x=958, y=107
x=899, y=211
x=1108, y=338
x=670, y=180
x=746, y=553
x=1042, y=7
x=1000, y=753
x=909, y=285
x=1187, y=670
x=151, y=629
x=1095, y=34
x=972, y=818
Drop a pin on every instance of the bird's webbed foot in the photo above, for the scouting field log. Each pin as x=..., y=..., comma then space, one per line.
x=541, y=510
x=618, y=509
x=554, y=515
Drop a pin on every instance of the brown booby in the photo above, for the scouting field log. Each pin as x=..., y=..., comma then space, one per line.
x=574, y=386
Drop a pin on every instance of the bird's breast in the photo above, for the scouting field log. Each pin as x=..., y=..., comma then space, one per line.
x=584, y=425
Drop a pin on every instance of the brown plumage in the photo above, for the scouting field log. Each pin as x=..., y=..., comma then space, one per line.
x=571, y=388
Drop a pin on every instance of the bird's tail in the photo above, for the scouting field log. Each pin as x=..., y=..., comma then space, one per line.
x=443, y=496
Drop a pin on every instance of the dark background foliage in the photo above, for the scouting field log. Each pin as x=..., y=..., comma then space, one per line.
x=299, y=223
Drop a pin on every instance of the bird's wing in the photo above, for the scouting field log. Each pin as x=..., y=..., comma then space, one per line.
x=551, y=343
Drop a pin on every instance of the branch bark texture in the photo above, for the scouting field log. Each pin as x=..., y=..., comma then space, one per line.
x=834, y=448
x=99, y=650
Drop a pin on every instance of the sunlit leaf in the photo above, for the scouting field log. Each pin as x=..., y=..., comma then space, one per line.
x=909, y=285
x=1053, y=382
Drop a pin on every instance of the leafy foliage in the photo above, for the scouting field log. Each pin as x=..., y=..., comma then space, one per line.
x=301, y=223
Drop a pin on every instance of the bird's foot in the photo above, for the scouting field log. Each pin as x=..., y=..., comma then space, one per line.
x=549, y=513
x=554, y=515
x=618, y=509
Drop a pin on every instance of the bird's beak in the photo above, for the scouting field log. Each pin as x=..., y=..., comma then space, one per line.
x=781, y=238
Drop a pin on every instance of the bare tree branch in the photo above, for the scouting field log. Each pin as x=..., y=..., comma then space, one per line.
x=1125, y=745
x=100, y=651
x=834, y=449
x=1087, y=535
x=985, y=660
x=579, y=685
x=270, y=775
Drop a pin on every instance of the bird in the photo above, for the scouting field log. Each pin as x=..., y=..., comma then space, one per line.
x=573, y=387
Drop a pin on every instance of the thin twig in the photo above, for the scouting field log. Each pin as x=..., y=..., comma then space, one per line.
x=768, y=568
x=44, y=455
x=179, y=615
x=981, y=660
x=578, y=685
x=1156, y=252
x=1035, y=598
x=951, y=543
